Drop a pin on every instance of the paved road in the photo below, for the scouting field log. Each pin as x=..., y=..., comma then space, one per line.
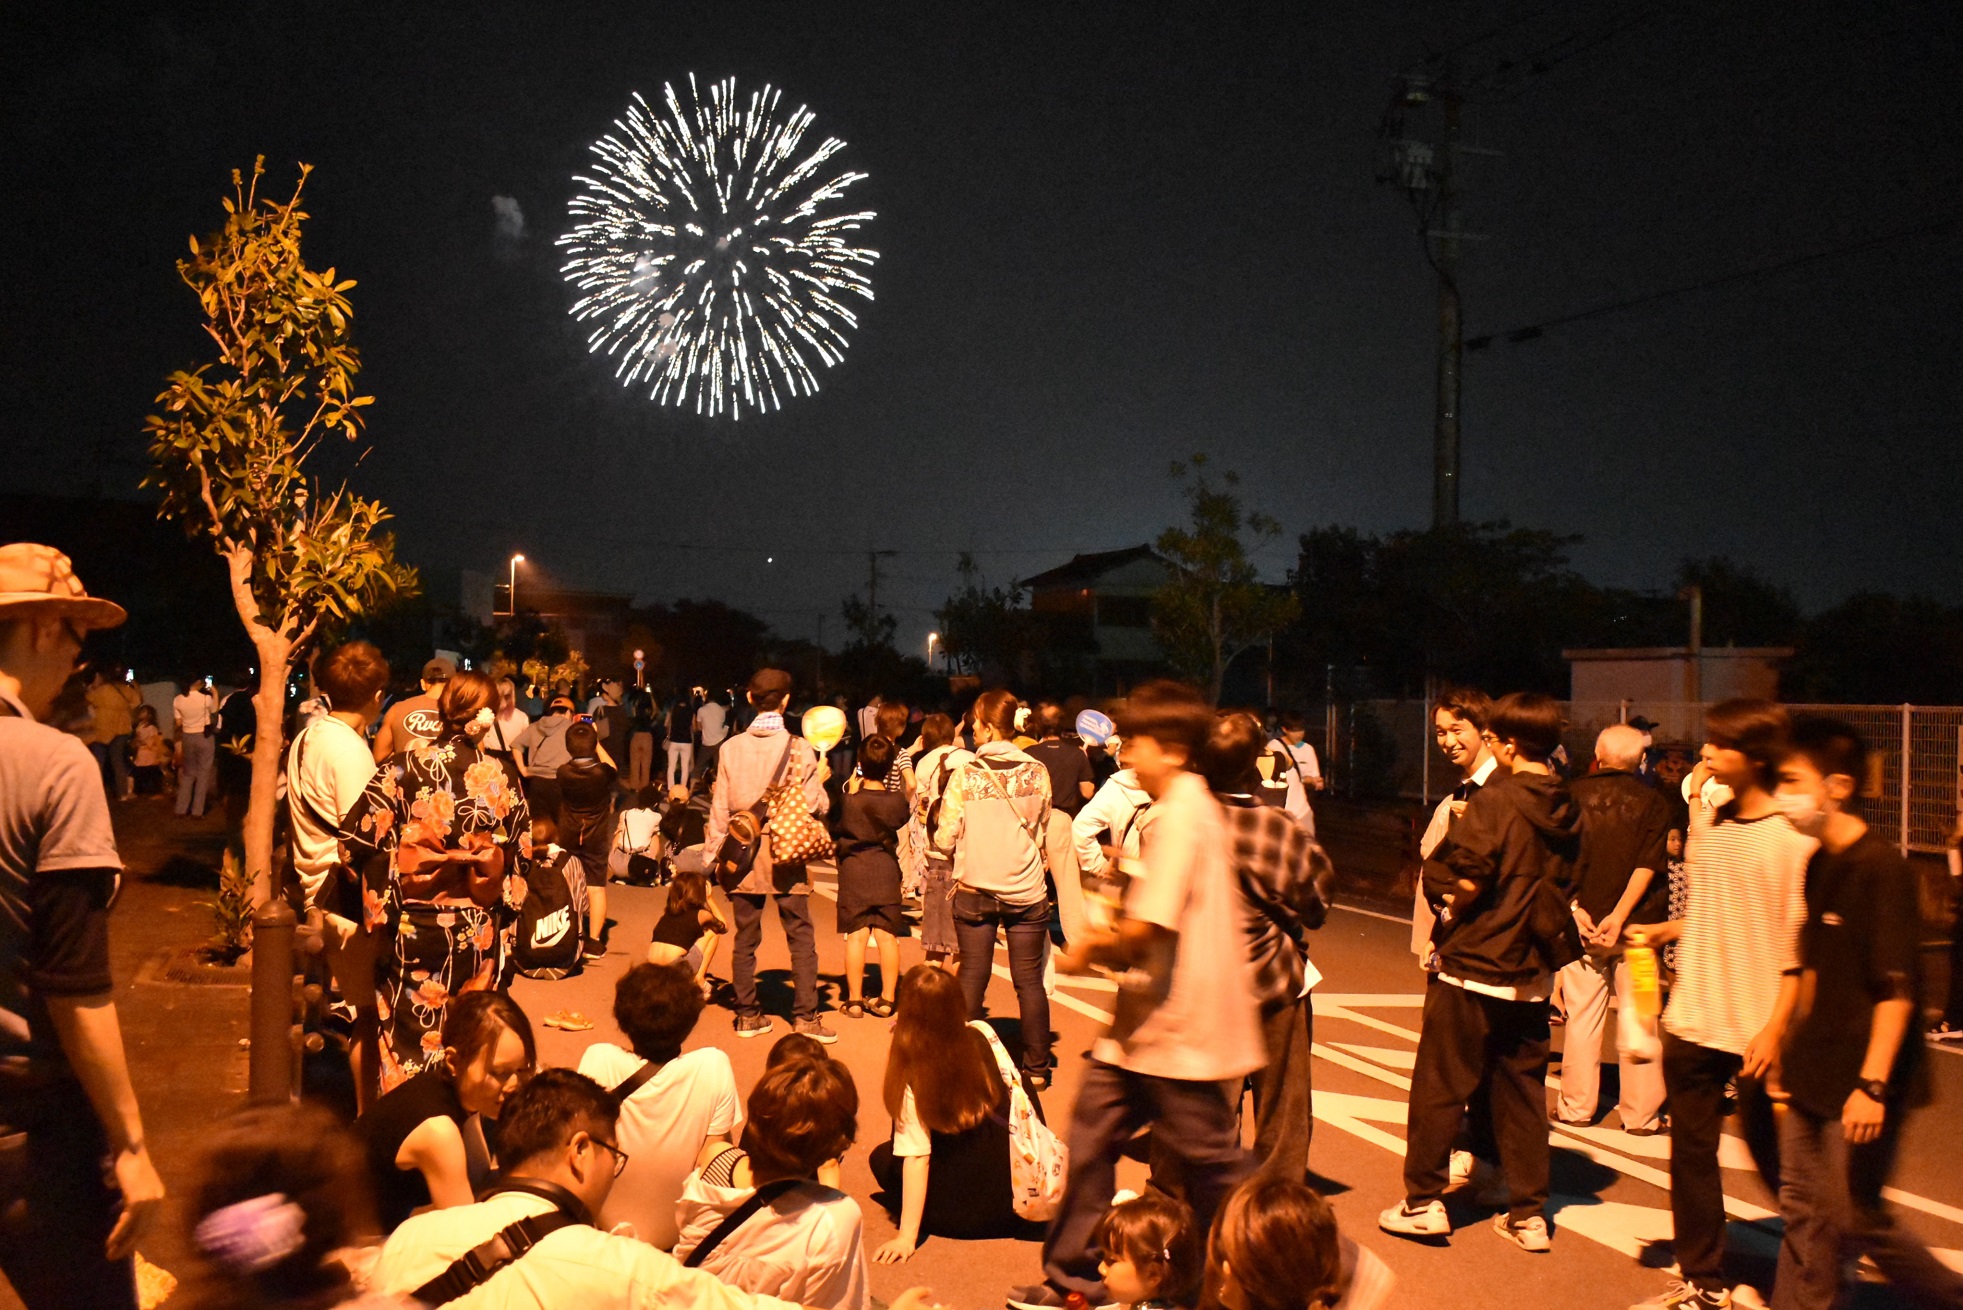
x=1611, y=1219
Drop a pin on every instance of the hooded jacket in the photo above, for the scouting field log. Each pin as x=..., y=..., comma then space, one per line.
x=1516, y=843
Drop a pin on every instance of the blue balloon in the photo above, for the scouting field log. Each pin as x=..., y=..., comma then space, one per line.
x=1095, y=727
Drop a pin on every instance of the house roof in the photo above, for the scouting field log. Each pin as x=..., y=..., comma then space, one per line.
x=1084, y=570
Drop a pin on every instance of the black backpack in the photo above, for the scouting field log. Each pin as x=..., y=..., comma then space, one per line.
x=549, y=930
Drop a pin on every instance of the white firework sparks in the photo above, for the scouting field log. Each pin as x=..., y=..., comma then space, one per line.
x=712, y=261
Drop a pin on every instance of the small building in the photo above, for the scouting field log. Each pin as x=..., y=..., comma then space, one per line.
x=1105, y=596
x=1670, y=684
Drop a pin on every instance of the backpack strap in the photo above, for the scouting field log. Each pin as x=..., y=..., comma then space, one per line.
x=736, y=1218
x=510, y=1243
x=634, y=1082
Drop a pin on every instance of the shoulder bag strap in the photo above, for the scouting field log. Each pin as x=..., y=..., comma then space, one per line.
x=476, y=1266
x=634, y=1082
x=1028, y=829
x=736, y=1218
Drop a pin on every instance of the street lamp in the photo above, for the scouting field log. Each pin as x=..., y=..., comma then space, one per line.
x=511, y=592
x=932, y=637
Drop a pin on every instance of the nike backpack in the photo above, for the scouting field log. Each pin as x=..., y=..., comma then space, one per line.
x=551, y=919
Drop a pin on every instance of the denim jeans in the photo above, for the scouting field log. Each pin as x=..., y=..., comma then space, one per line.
x=794, y=912
x=976, y=917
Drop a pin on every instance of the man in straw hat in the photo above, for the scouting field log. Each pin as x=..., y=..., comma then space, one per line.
x=66, y=1233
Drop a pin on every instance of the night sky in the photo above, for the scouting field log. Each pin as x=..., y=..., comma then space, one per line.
x=1111, y=235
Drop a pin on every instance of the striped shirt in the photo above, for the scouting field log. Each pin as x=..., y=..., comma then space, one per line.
x=1747, y=902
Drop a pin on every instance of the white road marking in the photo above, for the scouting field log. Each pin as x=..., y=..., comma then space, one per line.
x=1404, y=919
x=1384, y=1055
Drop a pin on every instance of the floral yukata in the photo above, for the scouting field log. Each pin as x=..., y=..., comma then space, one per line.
x=452, y=824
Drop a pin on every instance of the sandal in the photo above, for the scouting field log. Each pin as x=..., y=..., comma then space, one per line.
x=571, y=1021
x=854, y=1010
x=879, y=1007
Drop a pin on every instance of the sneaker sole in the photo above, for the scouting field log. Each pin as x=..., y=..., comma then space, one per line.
x=1504, y=1229
x=755, y=1032
x=823, y=1039
x=1420, y=1234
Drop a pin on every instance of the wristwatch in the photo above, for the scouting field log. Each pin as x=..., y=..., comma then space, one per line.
x=1876, y=1089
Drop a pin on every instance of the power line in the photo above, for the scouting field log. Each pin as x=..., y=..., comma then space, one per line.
x=1529, y=331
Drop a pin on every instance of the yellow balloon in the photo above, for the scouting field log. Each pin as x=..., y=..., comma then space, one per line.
x=824, y=727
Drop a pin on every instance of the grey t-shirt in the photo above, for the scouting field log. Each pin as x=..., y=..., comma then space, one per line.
x=54, y=818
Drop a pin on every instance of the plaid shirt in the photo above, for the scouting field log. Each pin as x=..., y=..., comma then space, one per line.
x=1282, y=874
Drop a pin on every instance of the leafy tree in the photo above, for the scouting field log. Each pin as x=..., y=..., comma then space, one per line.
x=230, y=447
x=984, y=630
x=869, y=628
x=1741, y=608
x=1214, y=607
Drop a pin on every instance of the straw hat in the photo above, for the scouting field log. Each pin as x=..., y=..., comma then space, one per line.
x=41, y=575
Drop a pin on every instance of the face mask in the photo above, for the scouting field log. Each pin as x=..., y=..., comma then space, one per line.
x=1804, y=810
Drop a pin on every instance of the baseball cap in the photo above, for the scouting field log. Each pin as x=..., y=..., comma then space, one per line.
x=560, y=703
x=438, y=670
x=32, y=574
x=769, y=681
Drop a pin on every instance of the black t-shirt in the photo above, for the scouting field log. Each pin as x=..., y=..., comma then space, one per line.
x=1863, y=935
x=1068, y=768
x=1624, y=827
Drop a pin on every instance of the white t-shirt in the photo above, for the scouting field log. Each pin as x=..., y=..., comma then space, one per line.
x=193, y=710
x=806, y=1245
x=662, y=1127
x=910, y=1136
x=1305, y=759
x=513, y=722
x=327, y=766
x=579, y=1267
x=1193, y=1016
x=712, y=721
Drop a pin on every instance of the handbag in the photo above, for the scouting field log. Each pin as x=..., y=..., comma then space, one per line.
x=796, y=835
x=743, y=839
x=1038, y=1158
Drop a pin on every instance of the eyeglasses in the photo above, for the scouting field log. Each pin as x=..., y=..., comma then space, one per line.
x=619, y=1156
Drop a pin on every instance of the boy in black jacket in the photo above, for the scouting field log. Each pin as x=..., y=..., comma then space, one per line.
x=1499, y=885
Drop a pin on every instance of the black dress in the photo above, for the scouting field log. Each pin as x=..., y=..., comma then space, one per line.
x=868, y=867
x=388, y=1123
x=970, y=1191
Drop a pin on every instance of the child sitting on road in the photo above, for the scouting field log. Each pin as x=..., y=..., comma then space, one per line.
x=687, y=930
x=1275, y=1246
x=1151, y=1253
x=869, y=878
x=757, y=1217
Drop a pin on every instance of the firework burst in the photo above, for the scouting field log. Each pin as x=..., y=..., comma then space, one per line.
x=711, y=258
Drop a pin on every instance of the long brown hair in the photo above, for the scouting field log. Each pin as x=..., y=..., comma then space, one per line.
x=1279, y=1239
x=947, y=1065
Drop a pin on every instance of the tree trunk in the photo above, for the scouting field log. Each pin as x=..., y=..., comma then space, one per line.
x=268, y=743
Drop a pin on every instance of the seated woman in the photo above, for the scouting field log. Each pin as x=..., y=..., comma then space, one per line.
x=804, y=1240
x=949, y=1157
x=687, y=930
x=414, y=1136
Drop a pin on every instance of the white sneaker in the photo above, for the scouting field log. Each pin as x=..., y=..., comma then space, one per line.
x=1746, y=1297
x=1463, y=1165
x=1428, y=1220
x=1485, y=1180
x=1122, y=1195
x=1530, y=1234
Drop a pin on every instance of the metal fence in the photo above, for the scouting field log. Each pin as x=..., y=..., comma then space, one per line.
x=1914, y=791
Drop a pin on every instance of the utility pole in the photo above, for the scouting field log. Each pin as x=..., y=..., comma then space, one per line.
x=872, y=582
x=1445, y=428
x=1427, y=173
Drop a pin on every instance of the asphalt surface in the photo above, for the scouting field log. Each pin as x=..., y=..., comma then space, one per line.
x=1610, y=1206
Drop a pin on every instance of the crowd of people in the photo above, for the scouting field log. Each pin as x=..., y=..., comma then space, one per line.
x=446, y=842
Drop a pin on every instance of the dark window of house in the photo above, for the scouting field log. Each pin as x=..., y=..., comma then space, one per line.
x=1124, y=611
